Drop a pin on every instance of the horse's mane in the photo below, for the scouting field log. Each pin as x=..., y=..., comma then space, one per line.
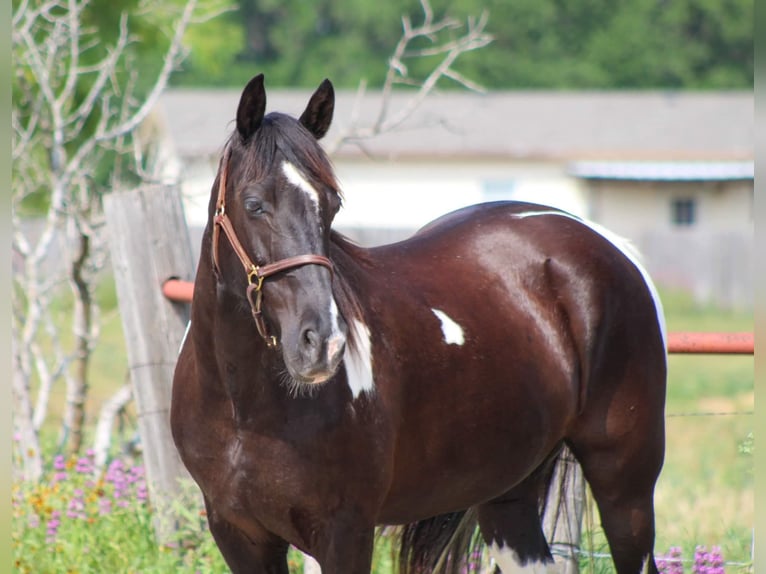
x=344, y=252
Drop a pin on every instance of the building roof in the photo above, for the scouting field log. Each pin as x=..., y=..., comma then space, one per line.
x=664, y=170
x=521, y=125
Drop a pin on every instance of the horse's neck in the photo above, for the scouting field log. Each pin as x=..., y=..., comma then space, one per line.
x=228, y=348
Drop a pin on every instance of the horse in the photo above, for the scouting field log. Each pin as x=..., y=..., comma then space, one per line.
x=325, y=389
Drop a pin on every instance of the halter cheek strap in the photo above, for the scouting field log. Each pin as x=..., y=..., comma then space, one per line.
x=255, y=273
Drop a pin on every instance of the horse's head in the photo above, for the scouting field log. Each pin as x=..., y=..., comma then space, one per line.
x=276, y=196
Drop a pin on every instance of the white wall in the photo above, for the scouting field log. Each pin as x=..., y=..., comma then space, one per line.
x=407, y=195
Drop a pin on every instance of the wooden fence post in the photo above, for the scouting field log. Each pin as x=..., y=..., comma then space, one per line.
x=149, y=242
x=562, y=520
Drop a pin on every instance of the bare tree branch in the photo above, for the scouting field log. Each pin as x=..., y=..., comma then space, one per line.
x=474, y=38
x=57, y=98
x=109, y=413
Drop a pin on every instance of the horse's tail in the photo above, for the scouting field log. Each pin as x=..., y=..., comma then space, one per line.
x=561, y=503
x=444, y=544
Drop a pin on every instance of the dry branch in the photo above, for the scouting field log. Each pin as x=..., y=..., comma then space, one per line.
x=56, y=98
x=474, y=38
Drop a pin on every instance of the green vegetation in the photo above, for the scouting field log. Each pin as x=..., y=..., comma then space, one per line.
x=540, y=44
x=704, y=495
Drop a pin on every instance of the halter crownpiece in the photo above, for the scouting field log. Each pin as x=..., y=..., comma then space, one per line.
x=255, y=273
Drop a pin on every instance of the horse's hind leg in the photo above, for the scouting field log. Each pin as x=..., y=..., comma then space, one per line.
x=620, y=446
x=511, y=528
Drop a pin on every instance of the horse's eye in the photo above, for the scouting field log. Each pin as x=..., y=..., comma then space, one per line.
x=253, y=206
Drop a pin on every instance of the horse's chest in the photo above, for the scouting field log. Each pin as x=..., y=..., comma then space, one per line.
x=253, y=482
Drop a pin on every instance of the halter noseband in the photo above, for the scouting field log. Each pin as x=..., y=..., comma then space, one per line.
x=255, y=273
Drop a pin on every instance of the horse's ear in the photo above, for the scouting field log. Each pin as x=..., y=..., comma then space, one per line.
x=252, y=106
x=318, y=114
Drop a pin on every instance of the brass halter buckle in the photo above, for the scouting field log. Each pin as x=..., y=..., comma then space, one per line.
x=255, y=278
x=255, y=309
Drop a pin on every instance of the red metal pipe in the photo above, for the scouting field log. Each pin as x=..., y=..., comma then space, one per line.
x=678, y=342
x=178, y=291
x=711, y=343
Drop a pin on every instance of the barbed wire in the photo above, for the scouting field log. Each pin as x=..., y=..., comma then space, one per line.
x=711, y=414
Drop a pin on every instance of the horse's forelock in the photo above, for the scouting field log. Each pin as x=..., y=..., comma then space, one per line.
x=284, y=134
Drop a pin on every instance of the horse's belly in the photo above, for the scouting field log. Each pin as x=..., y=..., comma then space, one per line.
x=467, y=461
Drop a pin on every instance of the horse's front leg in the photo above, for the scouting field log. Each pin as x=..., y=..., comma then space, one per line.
x=264, y=553
x=347, y=549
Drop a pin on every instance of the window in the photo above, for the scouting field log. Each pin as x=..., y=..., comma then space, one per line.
x=684, y=211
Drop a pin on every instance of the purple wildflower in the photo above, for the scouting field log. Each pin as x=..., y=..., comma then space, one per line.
x=670, y=563
x=59, y=477
x=33, y=520
x=76, y=507
x=716, y=561
x=676, y=562
x=83, y=466
x=59, y=463
x=52, y=527
x=104, y=506
x=141, y=493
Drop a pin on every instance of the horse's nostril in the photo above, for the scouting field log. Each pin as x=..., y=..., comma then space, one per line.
x=311, y=339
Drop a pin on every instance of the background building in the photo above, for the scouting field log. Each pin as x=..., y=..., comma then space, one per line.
x=671, y=171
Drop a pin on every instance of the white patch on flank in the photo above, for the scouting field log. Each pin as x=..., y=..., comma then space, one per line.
x=296, y=178
x=627, y=249
x=358, y=360
x=453, y=333
x=510, y=563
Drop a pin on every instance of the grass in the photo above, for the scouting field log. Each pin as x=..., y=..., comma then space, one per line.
x=705, y=492
x=704, y=495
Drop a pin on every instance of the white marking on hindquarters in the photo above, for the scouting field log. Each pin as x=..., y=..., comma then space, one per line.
x=645, y=567
x=453, y=333
x=358, y=359
x=626, y=248
x=296, y=178
x=509, y=562
x=186, y=334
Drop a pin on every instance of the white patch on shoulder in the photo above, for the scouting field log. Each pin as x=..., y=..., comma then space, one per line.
x=509, y=563
x=336, y=339
x=626, y=247
x=358, y=360
x=296, y=178
x=453, y=333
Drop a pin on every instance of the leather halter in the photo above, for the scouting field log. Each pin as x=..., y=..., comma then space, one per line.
x=255, y=273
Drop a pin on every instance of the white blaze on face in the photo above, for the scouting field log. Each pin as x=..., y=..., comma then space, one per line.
x=453, y=333
x=296, y=178
x=626, y=248
x=358, y=360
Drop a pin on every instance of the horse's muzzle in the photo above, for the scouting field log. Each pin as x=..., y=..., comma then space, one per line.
x=318, y=355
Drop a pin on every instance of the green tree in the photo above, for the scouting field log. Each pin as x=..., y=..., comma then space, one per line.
x=546, y=44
